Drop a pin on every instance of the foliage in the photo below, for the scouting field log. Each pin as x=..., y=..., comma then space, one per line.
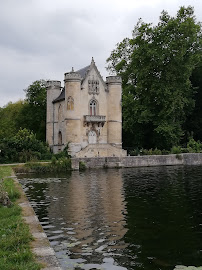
x=29, y=114
x=193, y=124
x=23, y=147
x=64, y=153
x=194, y=146
x=82, y=166
x=176, y=150
x=33, y=113
x=62, y=164
x=8, y=119
x=155, y=66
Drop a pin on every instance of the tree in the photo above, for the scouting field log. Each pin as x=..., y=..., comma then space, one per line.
x=155, y=66
x=193, y=124
x=33, y=115
x=23, y=147
x=8, y=119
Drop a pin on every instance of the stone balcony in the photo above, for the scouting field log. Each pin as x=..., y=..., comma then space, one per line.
x=95, y=119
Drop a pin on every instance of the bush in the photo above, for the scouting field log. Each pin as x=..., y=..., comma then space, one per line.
x=193, y=146
x=22, y=148
x=82, y=166
x=176, y=150
x=62, y=164
x=157, y=152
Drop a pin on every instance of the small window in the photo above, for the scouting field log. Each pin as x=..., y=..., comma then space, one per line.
x=60, y=113
x=70, y=104
x=59, y=138
x=93, y=107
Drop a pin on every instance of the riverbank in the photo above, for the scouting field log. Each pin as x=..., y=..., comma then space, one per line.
x=23, y=243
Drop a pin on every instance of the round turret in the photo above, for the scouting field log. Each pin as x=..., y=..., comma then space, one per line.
x=72, y=76
x=53, y=91
x=73, y=110
x=114, y=88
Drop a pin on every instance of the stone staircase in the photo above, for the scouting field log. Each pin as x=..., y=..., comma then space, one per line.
x=101, y=150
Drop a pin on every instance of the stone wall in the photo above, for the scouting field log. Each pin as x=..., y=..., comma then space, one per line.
x=139, y=161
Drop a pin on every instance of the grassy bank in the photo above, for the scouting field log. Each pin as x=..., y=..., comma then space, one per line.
x=15, y=252
x=62, y=164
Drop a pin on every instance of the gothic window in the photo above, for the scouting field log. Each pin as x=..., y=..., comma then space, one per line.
x=60, y=113
x=70, y=104
x=93, y=107
x=60, y=138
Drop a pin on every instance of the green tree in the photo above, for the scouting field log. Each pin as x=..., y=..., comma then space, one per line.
x=155, y=66
x=22, y=147
x=193, y=124
x=33, y=114
x=8, y=119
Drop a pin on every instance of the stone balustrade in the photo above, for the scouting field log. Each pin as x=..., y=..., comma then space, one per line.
x=94, y=118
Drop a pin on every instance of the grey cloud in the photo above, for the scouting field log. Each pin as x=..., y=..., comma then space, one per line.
x=43, y=39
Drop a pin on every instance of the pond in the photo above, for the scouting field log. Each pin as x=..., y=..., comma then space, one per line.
x=117, y=219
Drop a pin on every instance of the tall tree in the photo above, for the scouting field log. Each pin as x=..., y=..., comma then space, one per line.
x=33, y=115
x=156, y=65
x=8, y=119
x=193, y=124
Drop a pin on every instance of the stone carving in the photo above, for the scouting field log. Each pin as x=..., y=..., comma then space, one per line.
x=93, y=87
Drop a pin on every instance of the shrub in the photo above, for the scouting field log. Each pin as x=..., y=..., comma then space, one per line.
x=157, y=152
x=176, y=150
x=193, y=146
x=22, y=147
x=82, y=166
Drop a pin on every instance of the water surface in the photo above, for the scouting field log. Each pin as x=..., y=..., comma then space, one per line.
x=140, y=218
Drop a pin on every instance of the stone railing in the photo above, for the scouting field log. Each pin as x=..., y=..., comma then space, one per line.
x=94, y=119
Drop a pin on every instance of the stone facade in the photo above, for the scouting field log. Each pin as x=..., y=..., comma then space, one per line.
x=86, y=114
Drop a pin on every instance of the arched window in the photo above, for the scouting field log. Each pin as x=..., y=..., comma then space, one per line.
x=70, y=104
x=93, y=107
x=59, y=138
x=60, y=113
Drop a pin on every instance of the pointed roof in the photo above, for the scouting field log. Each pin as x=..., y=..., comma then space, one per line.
x=60, y=97
x=83, y=72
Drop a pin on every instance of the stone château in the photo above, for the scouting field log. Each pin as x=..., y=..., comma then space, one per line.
x=86, y=114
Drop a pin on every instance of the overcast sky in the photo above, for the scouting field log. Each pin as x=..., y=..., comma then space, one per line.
x=43, y=39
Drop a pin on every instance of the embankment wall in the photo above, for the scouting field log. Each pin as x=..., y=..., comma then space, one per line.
x=139, y=161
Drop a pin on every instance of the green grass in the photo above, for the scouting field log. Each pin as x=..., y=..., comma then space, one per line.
x=15, y=253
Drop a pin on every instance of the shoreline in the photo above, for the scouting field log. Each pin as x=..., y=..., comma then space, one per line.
x=40, y=246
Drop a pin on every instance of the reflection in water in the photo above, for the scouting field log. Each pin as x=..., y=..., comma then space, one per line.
x=143, y=218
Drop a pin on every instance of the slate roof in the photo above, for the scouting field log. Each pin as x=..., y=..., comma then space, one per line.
x=83, y=73
x=60, y=97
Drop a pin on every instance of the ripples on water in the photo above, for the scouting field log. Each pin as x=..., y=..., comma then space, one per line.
x=141, y=218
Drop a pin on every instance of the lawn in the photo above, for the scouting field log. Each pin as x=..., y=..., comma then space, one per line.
x=15, y=238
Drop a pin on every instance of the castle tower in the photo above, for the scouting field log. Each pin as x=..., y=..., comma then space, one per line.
x=114, y=135
x=53, y=89
x=73, y=110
